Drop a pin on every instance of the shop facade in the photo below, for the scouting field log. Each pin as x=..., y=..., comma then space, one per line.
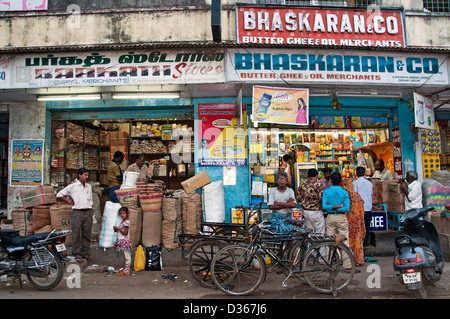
x=359, y=97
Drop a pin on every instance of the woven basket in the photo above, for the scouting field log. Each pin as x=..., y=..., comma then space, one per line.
x=151, y=201
x=128, y=197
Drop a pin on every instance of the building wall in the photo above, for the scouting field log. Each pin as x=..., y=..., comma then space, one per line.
x=92, y=23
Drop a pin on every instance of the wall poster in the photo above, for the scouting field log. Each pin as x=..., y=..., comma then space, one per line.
x=27, y=162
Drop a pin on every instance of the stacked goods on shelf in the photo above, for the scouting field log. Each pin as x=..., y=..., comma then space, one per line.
x=91, y=136
x=147, y=146
x=118, y=141
x=74, y=156
x=74, y=132
x=91, y=159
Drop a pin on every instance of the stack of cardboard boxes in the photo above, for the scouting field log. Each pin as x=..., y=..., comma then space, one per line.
x=396, y=199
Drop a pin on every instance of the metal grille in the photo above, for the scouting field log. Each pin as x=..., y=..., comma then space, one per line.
x=330, y=3
x=436, y=5
x=41, y=256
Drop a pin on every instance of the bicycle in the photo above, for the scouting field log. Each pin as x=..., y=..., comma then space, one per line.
x=315, y=258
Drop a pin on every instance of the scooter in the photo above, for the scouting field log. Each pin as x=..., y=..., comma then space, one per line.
x=419, y=255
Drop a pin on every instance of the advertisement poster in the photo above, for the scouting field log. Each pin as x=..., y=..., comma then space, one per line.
x=23, y=5
x=397, y=153
x=221, y=140
x=280, y=105
x=424, y=112
x=27, y=162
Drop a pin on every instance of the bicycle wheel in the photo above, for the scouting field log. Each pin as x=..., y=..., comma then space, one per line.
x=200, y=257
x=295, y=254
x=328, y=268
x=237, y=271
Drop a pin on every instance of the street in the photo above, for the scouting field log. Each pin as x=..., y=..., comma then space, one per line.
x=374, y=281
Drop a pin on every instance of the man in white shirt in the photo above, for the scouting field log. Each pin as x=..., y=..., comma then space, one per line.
x=382, y=172
x=412, y=190
x=281, y=202
x=80, y=193
x=139, y=167
x=365, y=189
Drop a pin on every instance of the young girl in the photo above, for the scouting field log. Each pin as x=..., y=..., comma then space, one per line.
x=123, y=241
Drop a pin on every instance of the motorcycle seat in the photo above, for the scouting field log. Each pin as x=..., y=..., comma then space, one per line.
x=12, y=238
x=419, y=241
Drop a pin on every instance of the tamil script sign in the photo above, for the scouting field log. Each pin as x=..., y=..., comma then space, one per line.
x=335, y=67
x=316, y=26
x=111, y=68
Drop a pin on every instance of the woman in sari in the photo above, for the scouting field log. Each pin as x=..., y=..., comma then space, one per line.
x=355, y=218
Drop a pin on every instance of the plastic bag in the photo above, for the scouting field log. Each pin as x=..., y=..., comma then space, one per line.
x=139, y=259
x=154, y=261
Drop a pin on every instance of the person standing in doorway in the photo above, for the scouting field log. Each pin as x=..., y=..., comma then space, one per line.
x=365, y=189
x=80, y=193
x=115, y=175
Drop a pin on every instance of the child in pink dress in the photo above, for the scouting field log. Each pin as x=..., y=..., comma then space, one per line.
x=123, y=242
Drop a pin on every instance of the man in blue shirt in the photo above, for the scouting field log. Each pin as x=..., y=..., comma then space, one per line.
x=336, y=202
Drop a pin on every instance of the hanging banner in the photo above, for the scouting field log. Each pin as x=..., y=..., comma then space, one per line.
x=27, y=162
x=221, y=141
x=289, y=25
x=280, y=105
x=424, y=112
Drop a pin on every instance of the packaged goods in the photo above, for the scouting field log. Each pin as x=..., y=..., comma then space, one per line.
x=40, y=216
x=377, y=197
x=151, y=228
x=22, y=221
x=110, y=219
x=191, y=208
x=35, y=196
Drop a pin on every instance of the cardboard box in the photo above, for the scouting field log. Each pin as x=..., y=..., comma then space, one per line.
x=396, y=207
x=193, y=183
x=35, y=196
x=396, y=197
x=394, y=187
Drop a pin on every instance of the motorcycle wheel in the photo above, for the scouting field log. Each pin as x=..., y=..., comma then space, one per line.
x=47, y=277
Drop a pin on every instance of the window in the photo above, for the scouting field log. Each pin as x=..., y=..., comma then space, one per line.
x=436, y=5
x=330, y=3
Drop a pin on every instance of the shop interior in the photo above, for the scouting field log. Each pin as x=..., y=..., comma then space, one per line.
x=92, y=144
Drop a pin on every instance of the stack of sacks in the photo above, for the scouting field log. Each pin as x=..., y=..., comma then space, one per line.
x=172, y=224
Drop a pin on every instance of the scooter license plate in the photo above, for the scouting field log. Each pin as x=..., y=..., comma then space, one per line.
x=411, y=278
x=60, y=248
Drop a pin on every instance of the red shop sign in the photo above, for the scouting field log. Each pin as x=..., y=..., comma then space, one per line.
x=316, y=26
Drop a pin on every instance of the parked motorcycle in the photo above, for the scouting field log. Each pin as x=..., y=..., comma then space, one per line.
x=419, y=256
x=40, y=257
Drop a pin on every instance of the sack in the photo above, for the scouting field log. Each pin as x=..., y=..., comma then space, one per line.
x=41, y=216
x=214, y=202
x=191, y=207
x=139, y=259
x=171, y=208
x=135, y=230
x=153, y=261
x=170, y=232
x=151, y=228
x=22, y=221
x=60, y=217
x=111, y=218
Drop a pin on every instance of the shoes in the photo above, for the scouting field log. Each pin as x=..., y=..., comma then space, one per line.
x=122, y=274
x=371, y=260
